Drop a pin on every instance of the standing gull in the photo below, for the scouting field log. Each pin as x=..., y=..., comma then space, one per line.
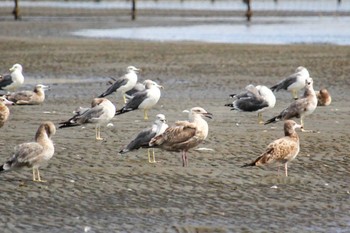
x=294, y=82
x=282, y=150
x=124, y=83
x=255, y=99
x=185, y=134
x=10, y=82
x=299, y=108
x=145, y=99
x=33, y=154
x=323, y=97
x=37, y=96
x=144, y=137
x=4, y=110
x=101, y=112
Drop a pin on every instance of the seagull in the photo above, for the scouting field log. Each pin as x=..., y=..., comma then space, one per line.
x=33, y=154
x=144, y=137
x=145, y=99
x=299, y=108
x=102, y=111
x=4, y=110
x=35, y=97
x=282, y=150
x=185, y=134
x=294, y=82
x=10, y=82
x=323, y=97
x=124, y=83
x=255, y=99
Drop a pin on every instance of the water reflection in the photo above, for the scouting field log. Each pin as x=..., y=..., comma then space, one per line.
x=310, y=30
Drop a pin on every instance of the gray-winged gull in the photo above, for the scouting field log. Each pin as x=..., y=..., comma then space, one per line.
x=299, y=108
x=101, y=112
x=145, y=99
x=10, y=82
x=4, y=110
x=185, y=134
x=124, y=83
x=255, y=99
x=323, y=97
x=282, y=150
x=33, y=154
x=294, y=82
x=37, y=96
x=144, y=137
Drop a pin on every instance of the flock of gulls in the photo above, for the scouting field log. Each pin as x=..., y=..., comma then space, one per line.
x=181, y=136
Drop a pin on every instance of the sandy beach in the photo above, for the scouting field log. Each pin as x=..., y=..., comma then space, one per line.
x=92, y=188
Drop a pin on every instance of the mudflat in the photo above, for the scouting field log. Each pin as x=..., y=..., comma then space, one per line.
x=92, y=188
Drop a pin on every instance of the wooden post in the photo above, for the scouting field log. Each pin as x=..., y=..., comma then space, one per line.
x=249, y=12
x=133, y=10
x=15, y=11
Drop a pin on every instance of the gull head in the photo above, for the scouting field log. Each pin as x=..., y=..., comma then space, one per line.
x=42, y=87
x=200, y=111
x=132, y=69
x=160, y=118
x=4, y=101
x=150, y=84
x=16, y=67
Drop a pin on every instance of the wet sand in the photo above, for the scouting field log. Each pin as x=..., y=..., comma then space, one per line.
x=91, y=187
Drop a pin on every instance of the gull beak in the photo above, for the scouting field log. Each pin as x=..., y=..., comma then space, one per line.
x=12, y=69
x=208, y=114
x=7, y=102
x=46, y=87
x=159, y=86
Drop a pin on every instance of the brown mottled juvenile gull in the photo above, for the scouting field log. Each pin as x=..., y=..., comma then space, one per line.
x=282, y=150
x=294, y=82
x=12, y=81
x=124, y=83
x=33, y=154
x=101, y=112
x=144, y=137
x=323, y=97
x=145, y=99
x=37, y=96
x=4, y=110
x=299, y=108
x=256, y=99
x=185, y=134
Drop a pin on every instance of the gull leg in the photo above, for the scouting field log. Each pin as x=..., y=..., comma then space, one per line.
x=154, y=157
x=149, y=156
x=260, y=120
x=34, y=179
x=183, y=159
x=286, y=168
x=38, y=176
x=98, y=133
x=295, y=94
x=145, y=116
x=124, y=98
x=302, y=127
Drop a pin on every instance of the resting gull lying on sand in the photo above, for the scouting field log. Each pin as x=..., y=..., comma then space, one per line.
x=145, y=99
x=299, y=108
x=294, y=82
x=144, y=137
x=255, y=99
x=33, y=154
x=12, y=81
x=101, y=112
x=37, y=96
x=185, y=134
x=282, y=150
x=323, y=97
x=4, y=110
x=124, y=83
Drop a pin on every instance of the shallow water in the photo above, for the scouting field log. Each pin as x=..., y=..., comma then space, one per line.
x=271, y=30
